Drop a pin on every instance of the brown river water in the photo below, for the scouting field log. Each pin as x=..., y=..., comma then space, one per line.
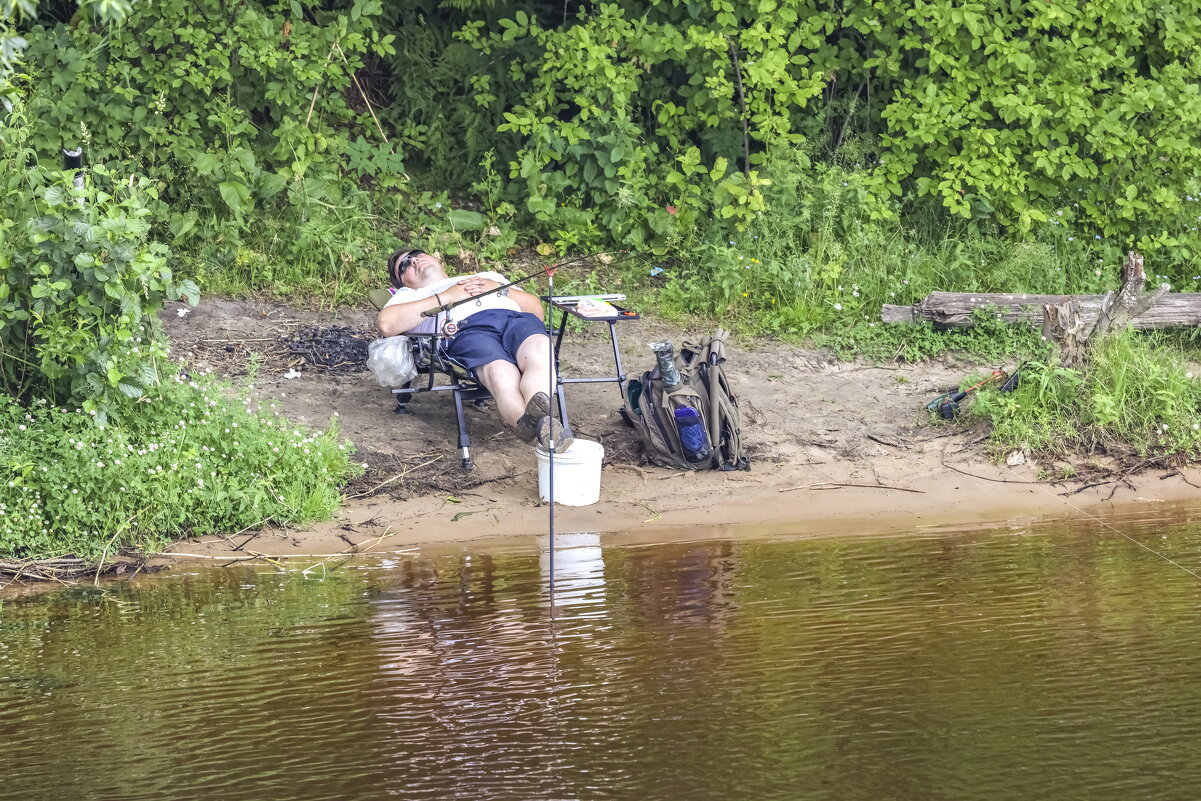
x=1057, y=662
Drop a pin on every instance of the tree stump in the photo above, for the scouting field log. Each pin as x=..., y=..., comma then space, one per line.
x=1064, y=323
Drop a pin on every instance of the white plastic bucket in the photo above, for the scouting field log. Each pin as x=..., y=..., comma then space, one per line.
x=577, y=473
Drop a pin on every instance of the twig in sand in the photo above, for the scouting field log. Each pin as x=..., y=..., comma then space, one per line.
x=890, y=443
x=652, y=511
x=632, y=468
x=354, y=546
x=241, y=339
x=839, y=484
x=396, y=477
x=1182, y=478
x=986, y=478
x=269, y=557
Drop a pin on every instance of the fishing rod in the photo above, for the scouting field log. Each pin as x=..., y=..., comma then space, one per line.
x=548, y=271
x=947, y=404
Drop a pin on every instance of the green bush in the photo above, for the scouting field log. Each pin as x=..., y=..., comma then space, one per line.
x=193, y=458
x=81, y=285
x=1002, y=114
x=1135, y=397
x=232, y=109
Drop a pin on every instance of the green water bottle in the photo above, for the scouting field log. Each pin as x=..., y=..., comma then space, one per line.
x=666, y=356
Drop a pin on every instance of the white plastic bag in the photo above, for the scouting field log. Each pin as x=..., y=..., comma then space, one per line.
x=391, y=359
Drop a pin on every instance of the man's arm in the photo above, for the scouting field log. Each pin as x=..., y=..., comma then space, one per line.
x=477, y=285
x=527, y=302
x=402, y=317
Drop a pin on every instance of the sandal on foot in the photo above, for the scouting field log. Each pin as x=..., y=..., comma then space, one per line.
x=536, y=409
x=551, y=429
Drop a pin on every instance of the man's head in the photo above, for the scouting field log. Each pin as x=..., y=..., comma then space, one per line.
x=413, y=268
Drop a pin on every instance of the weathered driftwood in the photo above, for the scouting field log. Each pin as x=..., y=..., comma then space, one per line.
x=1132, y=299
x=954, y=309
x=1064, y=324
x=1071, y=321
x=1094, y=314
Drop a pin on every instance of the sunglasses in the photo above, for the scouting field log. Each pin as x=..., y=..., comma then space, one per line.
x=401, y=262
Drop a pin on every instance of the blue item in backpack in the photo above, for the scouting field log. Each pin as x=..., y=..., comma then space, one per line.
x=693, y=436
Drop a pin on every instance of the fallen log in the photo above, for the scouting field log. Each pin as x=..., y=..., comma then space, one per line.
x=955, y=309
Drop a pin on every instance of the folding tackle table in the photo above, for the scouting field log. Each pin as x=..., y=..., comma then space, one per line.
x=568, y=305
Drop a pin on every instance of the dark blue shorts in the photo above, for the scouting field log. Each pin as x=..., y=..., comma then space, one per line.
x=493, y=334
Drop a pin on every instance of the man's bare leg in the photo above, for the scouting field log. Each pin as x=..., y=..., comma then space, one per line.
x=503, y=380
x=534, y=363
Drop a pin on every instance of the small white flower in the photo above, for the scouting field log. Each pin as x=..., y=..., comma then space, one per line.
x=837, y=307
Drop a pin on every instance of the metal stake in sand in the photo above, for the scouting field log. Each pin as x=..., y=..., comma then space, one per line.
x=550, y=488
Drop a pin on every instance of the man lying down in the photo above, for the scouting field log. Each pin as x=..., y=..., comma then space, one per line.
x=501, y=337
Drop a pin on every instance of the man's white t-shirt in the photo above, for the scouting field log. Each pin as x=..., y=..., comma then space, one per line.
x=429, y=325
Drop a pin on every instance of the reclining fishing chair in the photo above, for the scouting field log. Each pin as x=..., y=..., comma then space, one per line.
x=432, y=360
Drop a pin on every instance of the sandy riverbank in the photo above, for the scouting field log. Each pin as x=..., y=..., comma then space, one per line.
x=813, y=424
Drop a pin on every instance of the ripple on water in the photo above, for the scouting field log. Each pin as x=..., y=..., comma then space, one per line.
x=1044, y=664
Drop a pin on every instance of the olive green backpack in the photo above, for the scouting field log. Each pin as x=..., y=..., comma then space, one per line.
x=650, y=408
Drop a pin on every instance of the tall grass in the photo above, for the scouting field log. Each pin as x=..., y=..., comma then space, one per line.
x=1136, y=397
x=827, y=254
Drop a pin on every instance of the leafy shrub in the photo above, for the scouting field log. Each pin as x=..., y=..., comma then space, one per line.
x=191, y=460
x=1011, y=112
x=622, y=114
x=80, y=287
x=1136, y=396
x=1001, y=115
x=231, y=108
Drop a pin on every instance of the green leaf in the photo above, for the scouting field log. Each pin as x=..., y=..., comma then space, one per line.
x=235, y=194
x=719, y=169
x=129, y=388
x=464, y=220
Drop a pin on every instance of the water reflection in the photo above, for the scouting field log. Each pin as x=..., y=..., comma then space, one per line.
x=579, y=571
x=994, y=665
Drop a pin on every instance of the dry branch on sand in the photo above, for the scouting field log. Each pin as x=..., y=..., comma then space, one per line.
x=64, y=571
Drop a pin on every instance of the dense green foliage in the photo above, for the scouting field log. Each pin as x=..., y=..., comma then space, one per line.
x=80, y=286
x=97, y=451
x=785, y=165
x=189, y=461
x=1135, y=397
x=671, y=126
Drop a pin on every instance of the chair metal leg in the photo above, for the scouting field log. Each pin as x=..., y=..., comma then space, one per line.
x=402, y=400
x=562, y=399
x=464, y=440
